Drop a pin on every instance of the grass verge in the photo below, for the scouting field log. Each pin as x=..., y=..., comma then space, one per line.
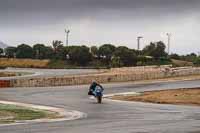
x=7, y=74
x=12, y=113
x=176, y=96
x=46, y=64
x=23, y=63
x=12, y=74
x=180, y=63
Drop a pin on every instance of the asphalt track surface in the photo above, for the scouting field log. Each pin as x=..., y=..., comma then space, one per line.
x=47, y=72
x=109, y=117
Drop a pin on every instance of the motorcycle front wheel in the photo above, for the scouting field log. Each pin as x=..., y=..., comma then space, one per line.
x=99, y=99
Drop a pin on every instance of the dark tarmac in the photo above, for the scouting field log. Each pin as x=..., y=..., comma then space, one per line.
x=109, y=117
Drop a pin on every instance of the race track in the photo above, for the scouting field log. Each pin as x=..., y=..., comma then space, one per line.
x=109, y=117
x=36, y=72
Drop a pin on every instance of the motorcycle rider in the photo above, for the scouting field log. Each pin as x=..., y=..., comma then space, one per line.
x=93, y=86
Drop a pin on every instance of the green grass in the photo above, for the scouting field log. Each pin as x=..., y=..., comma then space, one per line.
x=61, y=64
x=23, y=63
x=11, y=74
x=11, y=113
x=57, y=64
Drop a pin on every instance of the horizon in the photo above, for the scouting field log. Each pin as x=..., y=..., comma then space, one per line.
x=101, y=22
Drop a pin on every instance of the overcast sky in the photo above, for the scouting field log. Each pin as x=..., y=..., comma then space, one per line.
x=95, y=22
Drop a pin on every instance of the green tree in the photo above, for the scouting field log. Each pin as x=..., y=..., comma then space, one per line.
x=79, y=55
x=149, y=49
x=197, y=61
x=116, y=62
x=190, y=57
x=94, y=51
x=156, y=50
x=175, y=56
x=193, y=54
x=160, y=50
x=39, y=51
x=24, y=51
x=1, y=51
x=56, y=44
x=49, y=53
x=59, y=52
x=106, y=52
x=127, y=56
x=10, y=52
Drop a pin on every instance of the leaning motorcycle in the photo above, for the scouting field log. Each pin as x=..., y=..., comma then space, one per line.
x=98, y=93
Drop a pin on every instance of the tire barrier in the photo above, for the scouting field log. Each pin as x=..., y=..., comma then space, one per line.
x=119, y=75
x=103, y=78
x=4, y=83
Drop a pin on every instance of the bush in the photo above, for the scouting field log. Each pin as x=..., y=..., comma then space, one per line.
x=197, y=62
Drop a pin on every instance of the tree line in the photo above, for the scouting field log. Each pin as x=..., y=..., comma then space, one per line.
x=194, y=58
x=106, y=54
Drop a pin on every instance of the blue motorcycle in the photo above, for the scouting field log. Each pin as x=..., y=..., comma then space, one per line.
x=97, y=92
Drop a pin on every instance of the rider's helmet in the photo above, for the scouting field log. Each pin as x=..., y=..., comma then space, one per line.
x=94, y=82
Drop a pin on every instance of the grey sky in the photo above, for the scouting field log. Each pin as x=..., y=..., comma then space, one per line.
x=95, y=22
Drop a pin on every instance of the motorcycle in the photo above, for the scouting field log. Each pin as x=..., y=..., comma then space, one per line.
x=97, y=93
